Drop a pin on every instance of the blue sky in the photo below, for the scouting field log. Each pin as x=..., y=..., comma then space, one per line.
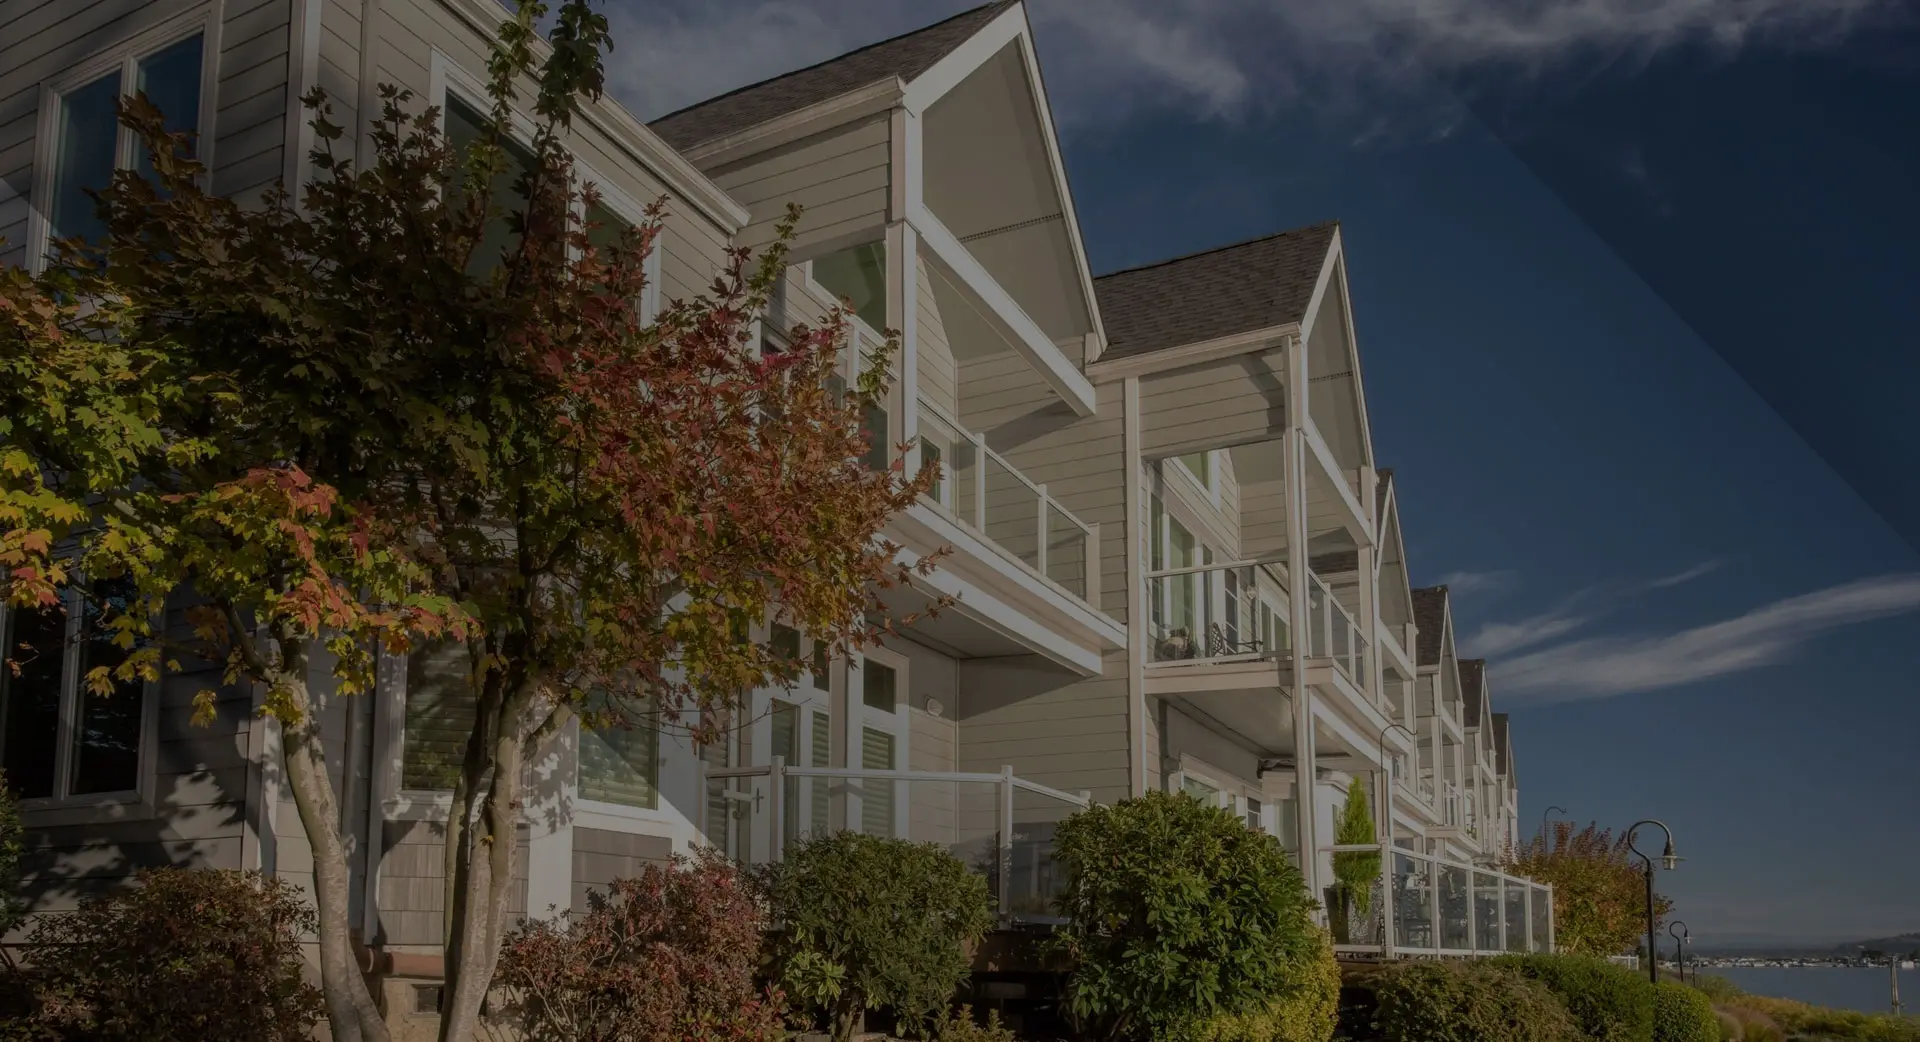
x=1634, y=297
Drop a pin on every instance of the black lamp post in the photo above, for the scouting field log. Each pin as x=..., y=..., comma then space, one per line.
x=1680, y=942
x=1671, y=861
x=1543, y=825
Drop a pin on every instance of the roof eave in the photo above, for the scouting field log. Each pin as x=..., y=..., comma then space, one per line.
x=1180, y=356
x=858, y=104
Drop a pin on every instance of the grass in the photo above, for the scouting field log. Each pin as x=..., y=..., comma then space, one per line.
x=1761, y=1018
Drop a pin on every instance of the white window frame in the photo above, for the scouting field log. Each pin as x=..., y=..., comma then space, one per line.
x=808, y=698
x=899, y=724
x=63, y=808
x=448, y=79
x=1208, y=483
x=1233, y=793
x=121, y=60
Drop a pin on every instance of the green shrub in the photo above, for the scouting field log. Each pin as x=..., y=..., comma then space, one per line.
x=1719, y=989
x=1751, y=1024
x=960, y=1025
x=1178, y=913
x=863, y=922
x=12, y=846
x=1466, y=1002
x=188, y=955
x=1306, y=1014
x=1610, y=1003
x=1681, y=1014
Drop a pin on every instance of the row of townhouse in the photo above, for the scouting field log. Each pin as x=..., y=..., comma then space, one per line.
x=1174, y=562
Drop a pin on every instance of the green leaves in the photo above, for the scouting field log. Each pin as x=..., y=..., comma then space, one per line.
x=1178, y=914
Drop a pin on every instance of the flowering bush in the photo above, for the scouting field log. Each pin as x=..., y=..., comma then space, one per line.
x=668, y=956
x=188, y=955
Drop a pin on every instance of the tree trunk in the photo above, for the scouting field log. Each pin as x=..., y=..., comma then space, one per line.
x=351, y=1012
x=475, y=950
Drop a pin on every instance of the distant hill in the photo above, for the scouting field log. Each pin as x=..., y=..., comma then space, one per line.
x=1778, y=945
x=1901, y=944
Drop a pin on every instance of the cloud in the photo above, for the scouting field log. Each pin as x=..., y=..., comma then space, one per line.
x=1604, y=666
x=1682, y=577
x=1498, y=638
x=1214, y=58
x=1478, y=582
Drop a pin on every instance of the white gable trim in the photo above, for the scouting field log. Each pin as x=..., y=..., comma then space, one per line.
x=851, y=107
x=1333, y=272
x=1012, y=27
x=1200, y=352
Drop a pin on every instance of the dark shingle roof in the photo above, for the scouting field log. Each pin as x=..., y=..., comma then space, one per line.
x=1473, y=678
x=1429, y=614
x=1502, y=744
x=1215, y=293
x=903, y=56
x=1336, y=563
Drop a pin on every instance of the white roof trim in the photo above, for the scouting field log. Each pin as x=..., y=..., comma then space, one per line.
x=860, y=103
x=1012, y=26
x=1200, y=352
x=1333, y=271
x=623, y=130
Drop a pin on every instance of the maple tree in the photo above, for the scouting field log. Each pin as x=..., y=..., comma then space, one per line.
x=1599, y=888
x=344, y=428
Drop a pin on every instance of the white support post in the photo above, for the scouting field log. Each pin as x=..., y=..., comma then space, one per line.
x=1386, y=897
x=1500, y=891
x=979, y=481
x=1294, y=442
x=1473, y=909
x=1040, y=510
x=1526, y=911
x=777, y=810
x=1550, y=939
x=1006, y=842
x=1434, y=915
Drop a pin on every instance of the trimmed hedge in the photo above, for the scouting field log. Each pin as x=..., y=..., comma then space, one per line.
x=1681, y=1014
x=1610, y=1003
x=1304, y=1015
x=1467, y=1002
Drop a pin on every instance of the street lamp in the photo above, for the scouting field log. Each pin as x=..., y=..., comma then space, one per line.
x=1670, y=861
x=1543, y=825
x=1386, y=797
x=1680, y=942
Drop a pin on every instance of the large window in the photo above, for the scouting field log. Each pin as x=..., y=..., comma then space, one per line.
x=89, y=143
x=466, y=125
x=881, y=743
x=59, y=738
x=439, y=715
x=858, y=275
x=622, y=764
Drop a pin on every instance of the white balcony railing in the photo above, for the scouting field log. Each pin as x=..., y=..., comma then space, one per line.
x=981, y=490
x=1000, y=825
x=1333, y=633
x=1218, y=612
x=1437, y=906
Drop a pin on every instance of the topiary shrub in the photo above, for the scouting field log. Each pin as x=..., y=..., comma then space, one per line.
x=1610, y=1003
x=1466, y=1002
x=1178, y=914
x=668, y=956
x=1306, y=1014
x=862, y=923
x=1681, y=1014
x=187, y=955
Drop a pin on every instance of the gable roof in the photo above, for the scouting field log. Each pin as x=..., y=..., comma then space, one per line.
x=1502, y=746
x=1473, y=680
x=1202, y=296
x=906, y=57
x=1430, y=615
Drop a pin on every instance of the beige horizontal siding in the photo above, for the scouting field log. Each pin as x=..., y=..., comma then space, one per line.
x=601, y=856
x=840, y=177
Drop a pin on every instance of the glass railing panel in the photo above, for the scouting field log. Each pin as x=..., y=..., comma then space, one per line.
x=953, y=450
x=1317, y=629
x=1456, y=907
x=1486, y=912
x=1013, y=511
x=1412, y=901
x=1066, y=551
x=1541, y=916
x=1516, y=898
x=1216, y=612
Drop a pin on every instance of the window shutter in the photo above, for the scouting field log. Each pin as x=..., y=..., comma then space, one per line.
x=876, y=805
x=820, y=754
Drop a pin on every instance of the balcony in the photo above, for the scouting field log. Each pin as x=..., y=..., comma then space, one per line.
x=1333, y=633
x=1217, y=613
x=1437, y=906
x=999, y=825
x=980, y=490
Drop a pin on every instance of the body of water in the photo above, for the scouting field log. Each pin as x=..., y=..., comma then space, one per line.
x=1864, y=988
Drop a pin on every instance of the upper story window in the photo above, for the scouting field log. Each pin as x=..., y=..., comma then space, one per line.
x=60, y=739
x=621, y=765
x=857, y=275
x=466, y=125
x=89, y=144
x=1200, y=465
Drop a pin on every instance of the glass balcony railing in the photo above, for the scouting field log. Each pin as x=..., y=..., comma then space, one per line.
x=981, y=490
x=1437, y=906
x=1334, y=633
x=1218, y=612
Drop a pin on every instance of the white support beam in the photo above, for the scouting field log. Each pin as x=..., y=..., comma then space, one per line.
x=1001, y=311
x=1356, y=515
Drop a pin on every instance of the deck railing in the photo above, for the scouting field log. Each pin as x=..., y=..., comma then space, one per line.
x=1000, y=825
x=1422, y=904
x=1218, y=612
x=982, y=491
x=1334, y=634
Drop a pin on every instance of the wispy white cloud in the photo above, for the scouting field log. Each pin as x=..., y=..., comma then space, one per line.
x=1478, y=582
x=1499, y=638
x=1600, y=667
x=1684, y=576
x=1213, y=57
